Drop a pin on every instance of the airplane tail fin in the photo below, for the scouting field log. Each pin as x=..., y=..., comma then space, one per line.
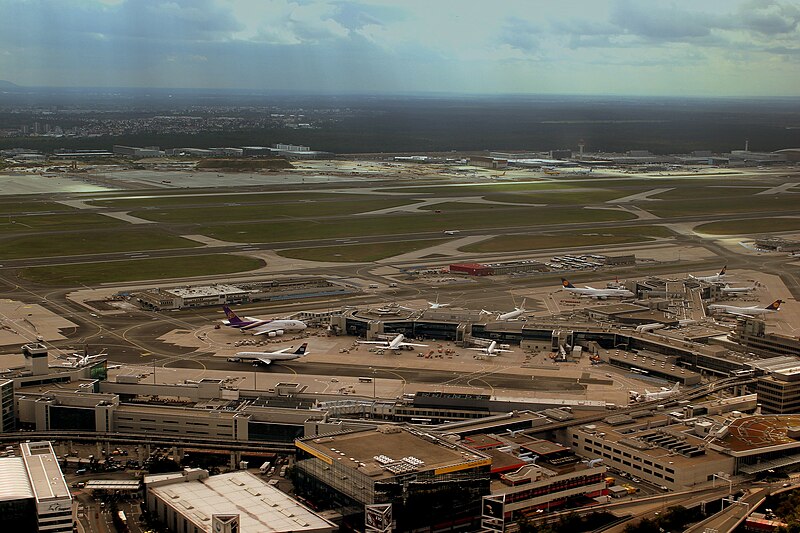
x=722, y=272
x=302, y=349
x=774, y=306
x=233, y=318
x=676, y=386
x=566, y=284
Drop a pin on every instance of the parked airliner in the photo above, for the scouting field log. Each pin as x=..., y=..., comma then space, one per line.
x=591, y=292
x=753, y=310
x=269, y=327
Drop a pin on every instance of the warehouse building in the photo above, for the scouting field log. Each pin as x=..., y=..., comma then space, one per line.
x=194, y=502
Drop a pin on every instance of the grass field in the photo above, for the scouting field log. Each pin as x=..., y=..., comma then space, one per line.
x=141, y=269
x=480, y=189
x=357, y=253
x=692, y=192
x=10, y=207
x=415, y=223
x=91, y=242
x=622, y=235
x=195, y=199
x=65, y=222
x=584, y=197
x=747, y=227
x=739, y=204
x=267, y=212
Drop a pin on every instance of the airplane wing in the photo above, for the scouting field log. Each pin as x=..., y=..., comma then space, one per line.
x=737, y=313
x=265, y=360
x=373, y=342
x=499, y=350
x=589, y=287
x=478, y=349
x=411, y=344
x=282, y=350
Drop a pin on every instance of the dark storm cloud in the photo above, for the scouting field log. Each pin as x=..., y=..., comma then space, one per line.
x=768, y=17
x=662, y=22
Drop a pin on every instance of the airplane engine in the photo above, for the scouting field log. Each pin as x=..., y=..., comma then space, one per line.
x=275, y=333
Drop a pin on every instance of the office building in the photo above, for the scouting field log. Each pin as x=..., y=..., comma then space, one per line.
x=430, y=482
x=33, y=494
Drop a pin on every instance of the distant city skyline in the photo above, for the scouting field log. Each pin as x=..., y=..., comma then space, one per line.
x=615, y=47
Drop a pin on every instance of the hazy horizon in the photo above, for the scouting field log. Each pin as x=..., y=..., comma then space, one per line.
x=716, y=48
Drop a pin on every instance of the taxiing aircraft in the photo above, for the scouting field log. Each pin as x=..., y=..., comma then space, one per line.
x=511, y=315
x=727, y=289
x=716, y=278
x=657, y=395
x=591, y=292
x=266, y=358
x=753, y=310
x=492, y=350
x=269, y=327
x=396, y=343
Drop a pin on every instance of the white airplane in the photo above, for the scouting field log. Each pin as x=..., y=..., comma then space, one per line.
x=591, y=292
x=727, y=289
x=511, y=315
x=266, y=358
x=436, y=304
x=80, y=361
x=394, y=344
x=657, y=395
x=269, y=327
x=753, y=310
x=716, y=278
x=492, y=350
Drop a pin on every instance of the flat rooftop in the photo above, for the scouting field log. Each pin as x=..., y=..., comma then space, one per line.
x=756, y=433
x=44, y=472
x=14, y=483
x=372, y=450
x=261, y=507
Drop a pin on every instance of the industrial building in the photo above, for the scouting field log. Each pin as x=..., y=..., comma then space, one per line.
x=194, y=502
x=531, y=474
x=488, y=162
x=135, y=151
x=33, y=494
x=750, y=335
x=431, y=483
x=164, y=299
x=667, y=448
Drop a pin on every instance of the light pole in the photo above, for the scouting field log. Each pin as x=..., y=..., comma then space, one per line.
x=724, y=477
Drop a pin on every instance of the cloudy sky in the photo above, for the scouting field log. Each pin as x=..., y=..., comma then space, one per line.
x=637, y=47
